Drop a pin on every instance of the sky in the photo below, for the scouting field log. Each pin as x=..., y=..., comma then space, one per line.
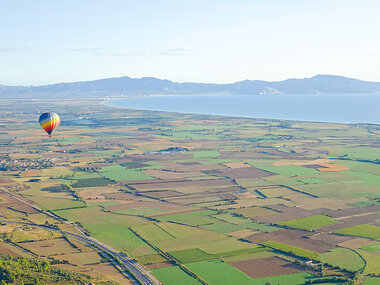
x=49, y=41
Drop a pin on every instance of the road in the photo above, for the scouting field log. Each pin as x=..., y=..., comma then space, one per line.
x=140, y=273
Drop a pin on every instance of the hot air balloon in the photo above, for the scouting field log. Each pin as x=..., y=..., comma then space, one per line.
x=49, y=121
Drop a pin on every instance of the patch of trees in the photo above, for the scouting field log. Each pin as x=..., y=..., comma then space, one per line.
x=21, y=270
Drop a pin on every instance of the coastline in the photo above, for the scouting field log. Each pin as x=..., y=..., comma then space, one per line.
x=111, y=103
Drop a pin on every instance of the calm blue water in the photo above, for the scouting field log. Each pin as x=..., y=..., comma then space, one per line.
x=341, y=108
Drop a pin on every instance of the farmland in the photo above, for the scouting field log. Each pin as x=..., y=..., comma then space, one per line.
x=343, y=258
x=292, y=250
x=192, y=198
x=309, y=223
x=171, y=275
x=217, y=272
x=367, y=231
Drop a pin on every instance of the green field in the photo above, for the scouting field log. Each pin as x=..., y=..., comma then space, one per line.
x=372, y=247
x=193, y=218
x=136, y=165
x=229, y=218
x=152, y=232
x=368, y=179
x=349, y=189
x=206, y=154
x=291, y=170
x=191, y=255
x=172, y=274
x=57, y=203
x=142, y=211
x=225, y=245
x=372, y=281
x=343, y=258
x=373, y=262
x=364, y=153
x=92, y=182
x=79, y=176
x=360, y=166
x=110, y=228
x=218, y=272
x=120, y=173
x=180, y=231
x=150, y=259
x=312, y=180
x=309, y=223
x=366, y=231
x=363, y=203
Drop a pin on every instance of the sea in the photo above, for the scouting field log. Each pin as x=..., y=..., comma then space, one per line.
x=336, y=108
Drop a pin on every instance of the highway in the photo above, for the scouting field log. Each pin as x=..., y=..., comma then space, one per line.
x=128, y=265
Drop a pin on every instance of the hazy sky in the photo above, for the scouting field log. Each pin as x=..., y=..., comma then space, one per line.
x=205, y=41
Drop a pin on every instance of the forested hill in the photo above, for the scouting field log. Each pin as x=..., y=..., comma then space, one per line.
x=329, y=84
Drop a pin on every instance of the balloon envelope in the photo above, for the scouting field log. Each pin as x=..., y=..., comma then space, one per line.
x=49, y=121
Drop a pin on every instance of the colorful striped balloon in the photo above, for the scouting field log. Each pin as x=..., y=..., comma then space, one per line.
x=49, y=121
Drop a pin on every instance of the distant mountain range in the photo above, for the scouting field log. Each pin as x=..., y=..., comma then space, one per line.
x=149, y=85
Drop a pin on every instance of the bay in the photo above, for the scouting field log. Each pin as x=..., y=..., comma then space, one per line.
x=337, y=108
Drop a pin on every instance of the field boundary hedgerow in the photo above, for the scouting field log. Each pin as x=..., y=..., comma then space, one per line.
x=308, y=254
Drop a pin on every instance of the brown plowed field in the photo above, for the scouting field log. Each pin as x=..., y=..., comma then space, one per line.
x=248, y=172
x=162, y=174
x=288, y=213
x=157, y=205
x=120, y=196
x=285, y=209
x=97, y=192
x=356, y=243
x=162, y=194
x=6, y=180
x=228, y=196
x=192, y=200
x=331, y=238
x=16, y=204
x=184, y=183
x=350, y=222
x=294, y=238
x=173, y=213
x=275, y=218
x=332, y=167
x=155, y=181
x=267, y=266
x=5, y=250
x=235, y=165
x=353, y=211
x=189, y=168
x=187, y=163
x=31, y=173
x=314, y=166
x=242, y=233
x=221, y=190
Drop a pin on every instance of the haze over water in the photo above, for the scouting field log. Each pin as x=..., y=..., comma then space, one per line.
x=337, y=108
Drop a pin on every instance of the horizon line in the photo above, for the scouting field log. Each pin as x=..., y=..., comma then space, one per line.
x=139, y=78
